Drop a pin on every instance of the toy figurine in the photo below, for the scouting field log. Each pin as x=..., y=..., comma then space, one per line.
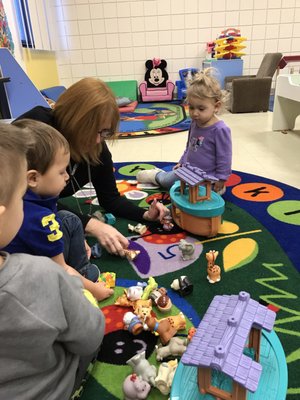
x=142, y=308
x=152, y=285
x=132, y=323
x=143, y=368
x=164, y=303
x=134, y=293
x=213, y=270
x=166, y=222
x=176, y=347
x=182, y=285
x=191, y=333
x=109, y=278
x=165, y=376
x=187, y=249
x=131, y=254
x=139, y=228
x=135, y=388
x=162, y=328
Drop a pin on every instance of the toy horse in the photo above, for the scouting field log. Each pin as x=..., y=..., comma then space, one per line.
x=213, y=270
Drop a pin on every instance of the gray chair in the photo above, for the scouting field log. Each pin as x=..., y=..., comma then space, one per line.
x=251, y=93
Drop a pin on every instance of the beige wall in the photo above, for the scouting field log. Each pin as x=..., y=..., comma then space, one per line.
x=112, y=39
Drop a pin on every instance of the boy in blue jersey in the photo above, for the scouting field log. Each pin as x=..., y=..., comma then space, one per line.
x=49, y=330
x=46, y=232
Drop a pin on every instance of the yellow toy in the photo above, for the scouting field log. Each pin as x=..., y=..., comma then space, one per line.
x=109, y=278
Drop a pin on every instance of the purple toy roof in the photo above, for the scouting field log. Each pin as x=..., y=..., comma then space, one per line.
x=222, y=336
x=193, y=175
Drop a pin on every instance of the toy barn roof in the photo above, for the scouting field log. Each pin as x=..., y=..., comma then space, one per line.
x=193, y=175
x=222, y=336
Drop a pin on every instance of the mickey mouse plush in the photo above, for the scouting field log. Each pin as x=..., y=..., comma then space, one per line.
x=156, y=75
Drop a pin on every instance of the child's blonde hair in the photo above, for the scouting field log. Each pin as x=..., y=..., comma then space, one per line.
x=14, y=145
x=205, y=85
x=46, y=141
x=80, y=113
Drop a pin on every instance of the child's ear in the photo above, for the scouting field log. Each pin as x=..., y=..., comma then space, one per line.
x=217, y=106
x=32, y=178
x=2, y=209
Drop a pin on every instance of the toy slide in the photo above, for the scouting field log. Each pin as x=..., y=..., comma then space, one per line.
x=233, y=38
x=230, y=54
x=230, y=46
x=21, y=93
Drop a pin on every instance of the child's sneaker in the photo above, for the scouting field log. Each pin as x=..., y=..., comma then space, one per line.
x=147, y=175
x=90, y=272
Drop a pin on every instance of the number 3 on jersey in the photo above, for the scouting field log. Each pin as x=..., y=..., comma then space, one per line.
x=53, y=225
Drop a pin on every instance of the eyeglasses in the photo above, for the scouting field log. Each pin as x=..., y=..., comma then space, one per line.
x=106, y=133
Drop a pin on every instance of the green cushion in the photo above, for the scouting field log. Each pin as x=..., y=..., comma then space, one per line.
x=124, y=89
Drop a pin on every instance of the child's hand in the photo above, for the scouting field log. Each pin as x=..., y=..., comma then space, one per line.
x=219, y=185
x=156, y=211
x=87, y=249
x=176, y=166
x=101, y=292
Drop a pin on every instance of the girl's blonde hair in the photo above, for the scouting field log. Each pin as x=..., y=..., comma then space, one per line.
x=81, y=112
x=205, y=85
x=46, y=141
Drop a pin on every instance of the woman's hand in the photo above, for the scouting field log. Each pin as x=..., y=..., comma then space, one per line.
x=111, y=239
x=156, y=211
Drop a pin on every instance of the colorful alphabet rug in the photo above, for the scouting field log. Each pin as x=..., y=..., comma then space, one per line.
x=258, y=245
x=150, y=119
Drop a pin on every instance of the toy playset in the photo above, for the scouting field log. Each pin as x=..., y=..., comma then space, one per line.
x=222, y=358
x=229, y=44
x=195, y=207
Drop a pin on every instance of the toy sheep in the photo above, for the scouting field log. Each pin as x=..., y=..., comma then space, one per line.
x=176, y=347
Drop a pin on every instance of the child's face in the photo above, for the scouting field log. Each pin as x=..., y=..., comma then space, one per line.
x=53, y=181
x=203, y=111
x=11, y=216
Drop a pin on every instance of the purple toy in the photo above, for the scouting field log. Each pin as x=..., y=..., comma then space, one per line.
x=230, y=324
x=135, y=388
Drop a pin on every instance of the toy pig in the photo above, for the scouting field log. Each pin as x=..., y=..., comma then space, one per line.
x=135, y=388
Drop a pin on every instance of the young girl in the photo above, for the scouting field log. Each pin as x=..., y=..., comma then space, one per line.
x=209, y=140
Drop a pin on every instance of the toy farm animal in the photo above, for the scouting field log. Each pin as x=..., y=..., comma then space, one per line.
x=163, y=328
x=142, y=308
x=135, y=388
x=176, y=347
x=132, y=323
x=187, y=249
x=182, y=285
x=165, y=376
x=143, y=368
x=131, y=254
x=213, y=270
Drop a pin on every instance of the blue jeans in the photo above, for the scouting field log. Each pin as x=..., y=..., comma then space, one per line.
x=166, y=179
x=73, y=236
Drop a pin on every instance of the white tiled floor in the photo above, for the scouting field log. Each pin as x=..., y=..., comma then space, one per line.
x=256, y=148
